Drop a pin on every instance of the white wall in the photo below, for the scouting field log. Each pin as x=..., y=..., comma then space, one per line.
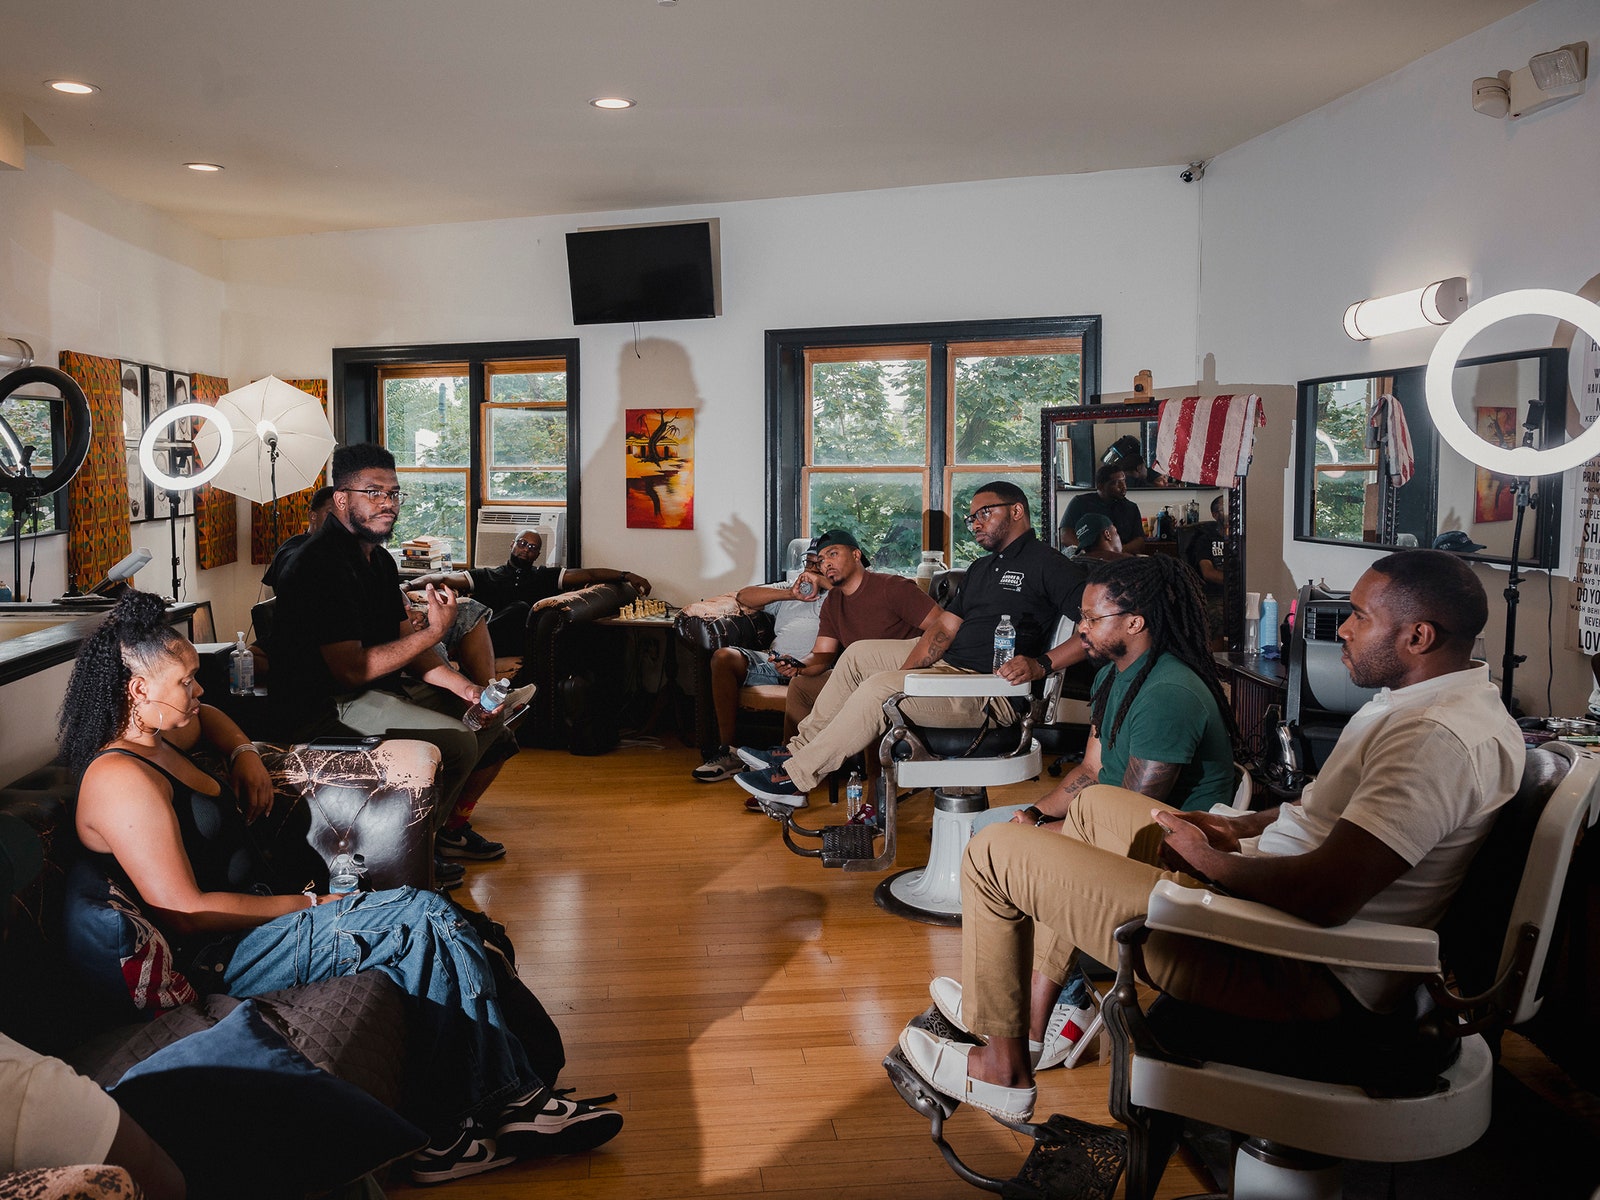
x=1386, y=189
x=83, y=270
x=1120, y=244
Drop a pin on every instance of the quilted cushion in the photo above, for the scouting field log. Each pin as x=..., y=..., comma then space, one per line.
x=353, y=1026
x=244, y=1114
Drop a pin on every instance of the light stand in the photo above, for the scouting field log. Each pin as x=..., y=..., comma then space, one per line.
x=176, y=484
x=1509, y=664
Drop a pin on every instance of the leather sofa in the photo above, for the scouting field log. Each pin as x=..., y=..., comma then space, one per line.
x=561, y=645
x=704, y=635
x=353, y=1026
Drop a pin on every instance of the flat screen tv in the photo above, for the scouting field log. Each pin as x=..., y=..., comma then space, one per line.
x=642, y=273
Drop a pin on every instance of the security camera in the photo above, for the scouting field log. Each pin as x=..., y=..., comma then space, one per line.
x=1194, y=171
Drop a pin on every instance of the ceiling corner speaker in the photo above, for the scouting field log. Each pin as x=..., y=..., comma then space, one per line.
x=667, y=272
x=497, y=527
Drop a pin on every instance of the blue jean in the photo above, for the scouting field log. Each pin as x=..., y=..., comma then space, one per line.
x=466, y=1061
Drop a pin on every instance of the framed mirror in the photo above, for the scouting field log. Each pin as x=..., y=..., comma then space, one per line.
x=1346, y=495
x=1079, y=442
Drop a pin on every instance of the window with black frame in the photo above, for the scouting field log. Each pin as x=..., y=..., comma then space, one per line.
x=889, y=430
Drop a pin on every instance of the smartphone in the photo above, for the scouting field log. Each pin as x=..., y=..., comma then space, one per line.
x=349, y=742
x=788, y=660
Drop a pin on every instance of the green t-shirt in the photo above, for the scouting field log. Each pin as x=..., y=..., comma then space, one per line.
x=1174, y=719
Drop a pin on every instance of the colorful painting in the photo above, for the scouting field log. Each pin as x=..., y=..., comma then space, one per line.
x=1496, y=495
x=660, y=468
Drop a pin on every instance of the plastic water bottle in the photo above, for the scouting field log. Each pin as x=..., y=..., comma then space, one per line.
x=346, y=874
x=1005, y=641
x=1269, y=626
x=806, y=587
x=852, y=797
x=241, y=668
x=489, y=702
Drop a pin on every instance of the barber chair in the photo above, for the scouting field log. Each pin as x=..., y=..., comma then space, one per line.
x=1301, y=1097
x=1321, y=696
x=959, y=765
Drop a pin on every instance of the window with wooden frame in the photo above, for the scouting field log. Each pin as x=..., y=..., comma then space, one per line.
x=471, y=425
x=890, y=436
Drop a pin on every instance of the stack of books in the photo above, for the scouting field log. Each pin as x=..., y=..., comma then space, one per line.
x=426, y=553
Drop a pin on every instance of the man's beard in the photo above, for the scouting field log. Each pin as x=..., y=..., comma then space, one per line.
x=1379, y=669
x=1112, y=651
x=370, y=537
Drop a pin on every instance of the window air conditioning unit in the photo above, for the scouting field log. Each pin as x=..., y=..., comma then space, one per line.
x=498, y=527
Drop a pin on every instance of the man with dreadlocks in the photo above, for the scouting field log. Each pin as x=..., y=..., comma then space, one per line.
x=1160, y=727
x=1386, y=833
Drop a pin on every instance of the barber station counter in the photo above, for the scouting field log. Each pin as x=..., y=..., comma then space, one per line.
x=1255, y=684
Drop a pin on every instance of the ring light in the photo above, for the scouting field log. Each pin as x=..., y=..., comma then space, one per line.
x=80, y=423
x=1438, y=383
x=184, y=483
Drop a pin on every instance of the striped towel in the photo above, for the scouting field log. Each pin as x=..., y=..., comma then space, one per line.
x=1388, y=420
x=1207, y=440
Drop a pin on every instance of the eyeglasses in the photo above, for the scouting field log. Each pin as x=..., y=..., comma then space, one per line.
x=982, y=514
x=1082, y=621
x=376, y=494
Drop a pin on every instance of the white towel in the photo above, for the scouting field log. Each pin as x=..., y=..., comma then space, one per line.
x=1207, y=440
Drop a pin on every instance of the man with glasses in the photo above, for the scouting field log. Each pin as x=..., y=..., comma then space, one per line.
x=343, y=636
x=1019, y=577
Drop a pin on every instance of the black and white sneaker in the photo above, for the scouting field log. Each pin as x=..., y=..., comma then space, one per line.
x=545, y=1122
x=724, y=764
x=467, y=842
x=472, y=1153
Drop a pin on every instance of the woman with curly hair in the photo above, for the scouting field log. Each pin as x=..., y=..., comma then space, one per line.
x=173, y=837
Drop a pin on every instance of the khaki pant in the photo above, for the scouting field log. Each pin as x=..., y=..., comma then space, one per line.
x=1036, y=896
x=848, y=714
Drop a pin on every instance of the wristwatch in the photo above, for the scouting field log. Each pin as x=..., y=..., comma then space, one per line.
x=1044, y=661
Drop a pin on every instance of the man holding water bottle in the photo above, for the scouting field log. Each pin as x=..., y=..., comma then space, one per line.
x=1020, y=577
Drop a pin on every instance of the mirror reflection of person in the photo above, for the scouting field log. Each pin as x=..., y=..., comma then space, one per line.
x=1109, y=499
x=1205, y=549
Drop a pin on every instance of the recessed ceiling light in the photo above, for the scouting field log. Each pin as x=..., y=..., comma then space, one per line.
x=200, y=166
x=72, y=87
x=611, y=102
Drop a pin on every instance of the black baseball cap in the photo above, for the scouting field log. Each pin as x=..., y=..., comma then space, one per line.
x=1091, y=528
x=1457, y=542
x=841, y=537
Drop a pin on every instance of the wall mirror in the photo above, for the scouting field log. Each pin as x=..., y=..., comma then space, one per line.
x=1344, y=494
x=1077, y=440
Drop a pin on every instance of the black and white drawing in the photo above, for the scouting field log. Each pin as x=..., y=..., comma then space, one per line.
x=132, y=430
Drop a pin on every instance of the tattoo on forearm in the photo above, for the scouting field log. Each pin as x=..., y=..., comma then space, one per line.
x=1153, y=779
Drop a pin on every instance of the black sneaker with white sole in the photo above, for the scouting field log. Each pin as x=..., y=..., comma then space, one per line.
x=546, y=1122
x=467, y=842
x=472, y=1153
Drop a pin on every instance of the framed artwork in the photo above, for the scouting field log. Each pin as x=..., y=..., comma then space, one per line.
x=132, y=430
x=659, y=468
x=1495, y=496
x=158, y=397
x=180, y=388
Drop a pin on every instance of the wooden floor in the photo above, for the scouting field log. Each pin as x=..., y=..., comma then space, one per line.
x=737, y=998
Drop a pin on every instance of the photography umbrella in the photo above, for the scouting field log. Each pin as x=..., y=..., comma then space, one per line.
x=281, y=440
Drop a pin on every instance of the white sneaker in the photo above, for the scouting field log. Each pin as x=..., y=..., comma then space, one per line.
x=1069, y=1029
x=724, y=764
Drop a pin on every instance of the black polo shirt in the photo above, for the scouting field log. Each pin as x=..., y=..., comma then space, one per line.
x=501, y=586
x=1028, y=580
x=329, y=591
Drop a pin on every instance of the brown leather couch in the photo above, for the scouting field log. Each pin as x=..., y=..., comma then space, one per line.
x=562, y=645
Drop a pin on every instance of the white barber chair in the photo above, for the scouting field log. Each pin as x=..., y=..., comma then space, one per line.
x=1369, y=1090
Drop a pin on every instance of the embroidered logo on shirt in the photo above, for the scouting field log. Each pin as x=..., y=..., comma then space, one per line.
x=1012, y=581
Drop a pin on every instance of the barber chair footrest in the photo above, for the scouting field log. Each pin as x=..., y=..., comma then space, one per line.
x=847, y=843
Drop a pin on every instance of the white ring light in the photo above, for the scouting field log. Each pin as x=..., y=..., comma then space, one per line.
x=184, y=483
x=1438, y=383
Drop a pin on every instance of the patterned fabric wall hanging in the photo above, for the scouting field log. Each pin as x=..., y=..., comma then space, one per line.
x=216, y=539
x=97, y=497
x=293, y=509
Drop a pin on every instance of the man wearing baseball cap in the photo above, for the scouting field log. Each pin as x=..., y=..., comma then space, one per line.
x=1019, y=577
x=1457, y=542
x=862, y=606
x=1098, y=537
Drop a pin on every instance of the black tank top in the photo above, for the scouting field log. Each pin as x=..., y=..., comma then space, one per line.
x=215, y=838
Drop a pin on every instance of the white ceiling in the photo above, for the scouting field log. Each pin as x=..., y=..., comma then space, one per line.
x=351, y=114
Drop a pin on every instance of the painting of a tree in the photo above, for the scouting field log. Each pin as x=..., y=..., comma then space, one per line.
x=660, y=468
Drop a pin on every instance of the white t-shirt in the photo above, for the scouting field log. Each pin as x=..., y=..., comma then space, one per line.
x=1423, y=769
x=50, y=1116
x=794, y=623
